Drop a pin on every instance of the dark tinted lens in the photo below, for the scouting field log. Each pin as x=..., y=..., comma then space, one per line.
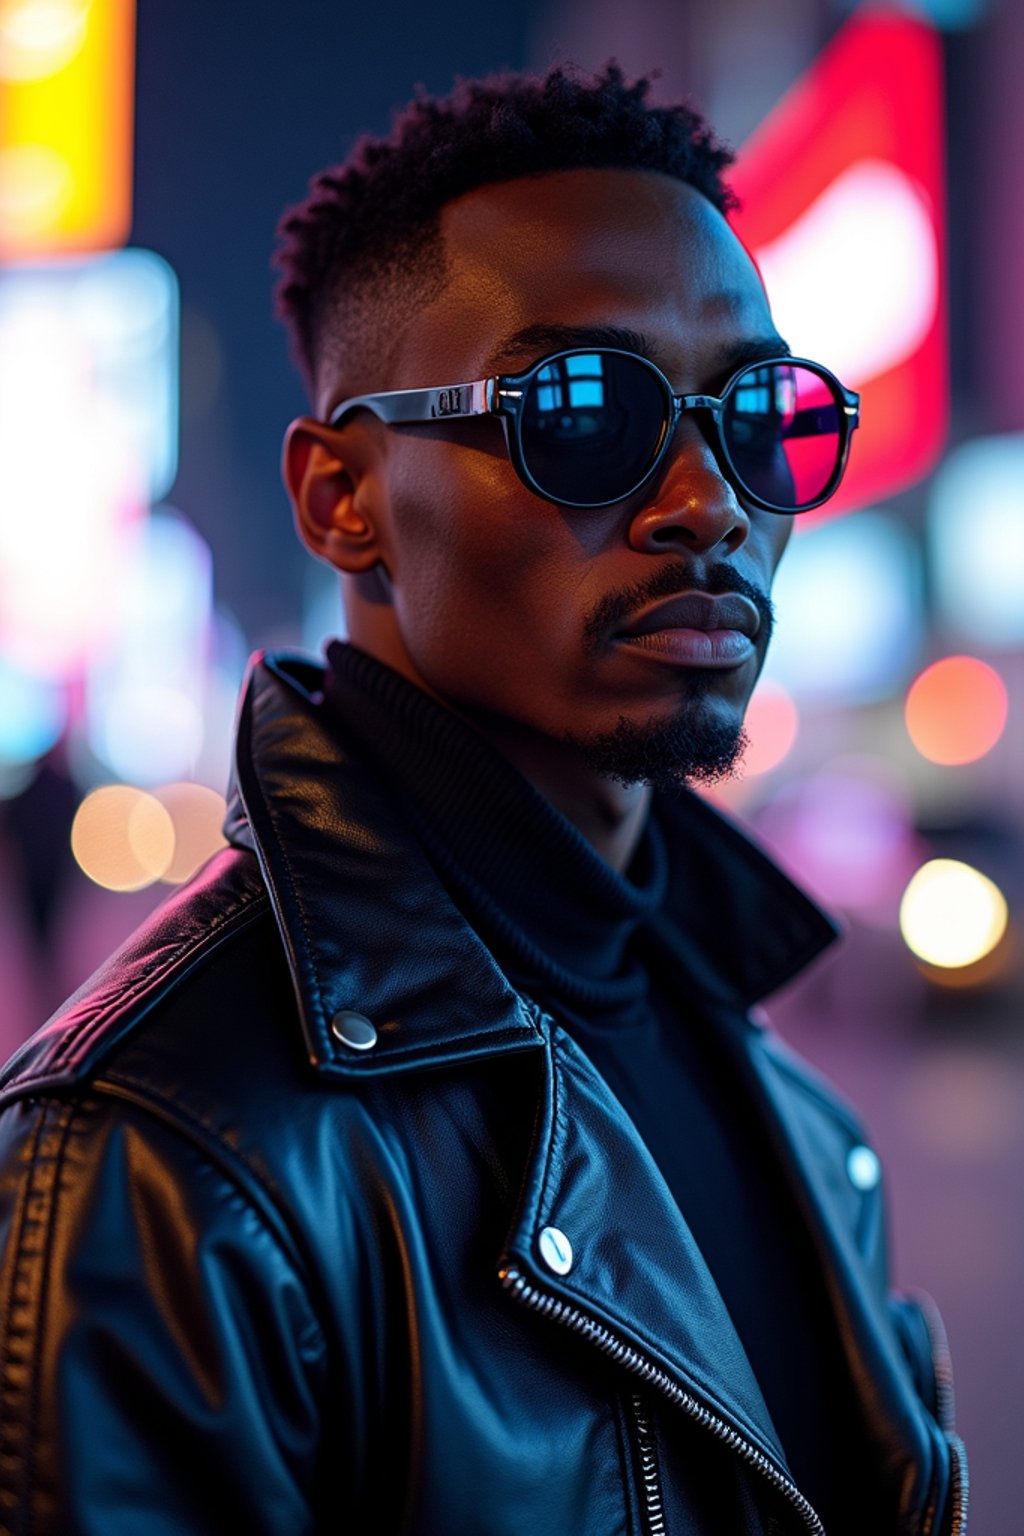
x=591, y=425
x=782, y=426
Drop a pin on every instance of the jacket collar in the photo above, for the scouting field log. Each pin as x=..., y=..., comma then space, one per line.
x=368, y=927
x=633, y=1257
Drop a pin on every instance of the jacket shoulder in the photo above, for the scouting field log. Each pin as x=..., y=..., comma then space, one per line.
x=135, y=1274
x=227, y=896
x=814, y=1087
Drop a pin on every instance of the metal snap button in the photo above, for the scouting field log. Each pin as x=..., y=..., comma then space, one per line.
x=863, y=1167
x=555, y=1250
x=353, y=1030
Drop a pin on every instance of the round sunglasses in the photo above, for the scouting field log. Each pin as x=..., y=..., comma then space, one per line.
x=589, y=427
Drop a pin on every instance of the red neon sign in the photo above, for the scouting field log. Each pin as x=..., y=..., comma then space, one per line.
x=843, y=198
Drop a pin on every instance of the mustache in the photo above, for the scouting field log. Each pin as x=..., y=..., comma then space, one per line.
x=613, y=611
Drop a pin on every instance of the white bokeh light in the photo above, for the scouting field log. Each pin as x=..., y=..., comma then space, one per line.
x=952, y=915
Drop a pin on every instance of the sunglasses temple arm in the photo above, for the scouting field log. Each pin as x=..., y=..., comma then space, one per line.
x=405, y=406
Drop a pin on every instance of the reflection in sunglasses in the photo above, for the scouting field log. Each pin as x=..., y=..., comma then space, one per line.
x=576, y=381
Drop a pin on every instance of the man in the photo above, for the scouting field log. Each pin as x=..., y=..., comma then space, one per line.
x=421, y=1167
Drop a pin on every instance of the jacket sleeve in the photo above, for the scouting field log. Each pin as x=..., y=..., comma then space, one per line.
x=161, y=1368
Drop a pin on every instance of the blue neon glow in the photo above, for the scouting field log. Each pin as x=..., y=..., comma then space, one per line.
x=145, y=698
x=122, y=309
x=975, y=540
x=33, y=712
x=850, y=620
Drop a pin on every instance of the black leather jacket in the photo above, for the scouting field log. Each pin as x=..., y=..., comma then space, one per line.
x=258, y=1280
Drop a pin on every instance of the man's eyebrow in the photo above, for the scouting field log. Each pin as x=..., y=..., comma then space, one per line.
x=755, y=350
x=537, y=339
x=534, y=340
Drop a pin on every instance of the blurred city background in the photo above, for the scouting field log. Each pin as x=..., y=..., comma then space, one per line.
x=146, y=545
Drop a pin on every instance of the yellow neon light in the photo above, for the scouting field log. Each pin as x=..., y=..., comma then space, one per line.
x=67, y=74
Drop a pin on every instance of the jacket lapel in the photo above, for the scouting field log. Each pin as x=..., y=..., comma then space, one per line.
x=636, y=1268
x=856, y=1286
x=366, y=924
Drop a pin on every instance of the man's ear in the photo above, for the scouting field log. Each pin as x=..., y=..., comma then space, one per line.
x=324, y=492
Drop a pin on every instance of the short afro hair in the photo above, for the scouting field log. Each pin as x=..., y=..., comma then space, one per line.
x=374, y=218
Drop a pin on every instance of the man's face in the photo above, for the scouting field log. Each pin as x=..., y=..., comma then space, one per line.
x=513, y=609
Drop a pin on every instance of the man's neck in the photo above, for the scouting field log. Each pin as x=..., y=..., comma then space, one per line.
x=610, y=816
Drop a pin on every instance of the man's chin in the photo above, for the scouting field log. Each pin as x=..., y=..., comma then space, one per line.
x=699, y=745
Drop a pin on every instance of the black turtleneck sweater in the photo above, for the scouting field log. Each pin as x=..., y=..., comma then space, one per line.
x=602, y=953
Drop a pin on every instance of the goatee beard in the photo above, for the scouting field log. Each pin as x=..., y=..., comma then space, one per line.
x=692, y=746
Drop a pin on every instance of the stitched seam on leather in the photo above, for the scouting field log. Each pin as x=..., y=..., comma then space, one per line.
x=189, y=1122
x=150, y=974
x=229, y=1156
x=655, y=1349
x=41, y=1182
x=10, y=1438
x=309, y=956
x=395, y=1053
x=228, y=1161
x=63, y=1127
x=427, y=1050
x=558, y=1132
x=155, y=970
x=223, y=1167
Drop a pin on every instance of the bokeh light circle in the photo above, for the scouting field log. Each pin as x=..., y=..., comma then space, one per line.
x=40, y=37
x=771, y=725
x=122, y=838
x=956, y=710
x=847, y=833
x=198, y=816
x=147, y=732
x=951, y=914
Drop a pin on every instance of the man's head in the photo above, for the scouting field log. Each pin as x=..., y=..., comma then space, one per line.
x=517, y=218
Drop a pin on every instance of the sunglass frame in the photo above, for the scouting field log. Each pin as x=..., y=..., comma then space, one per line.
x=502, y=395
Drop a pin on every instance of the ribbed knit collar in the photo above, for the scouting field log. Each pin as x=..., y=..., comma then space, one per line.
x=554, y=910
x=733, y=927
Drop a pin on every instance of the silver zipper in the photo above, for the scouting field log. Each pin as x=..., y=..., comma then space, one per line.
x=649, y=1477
x=942, y=1364
x=942, y=1361
x=633, y=1360
x=961, y=1485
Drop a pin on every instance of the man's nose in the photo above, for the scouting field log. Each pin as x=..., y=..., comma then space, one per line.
x=693, y=508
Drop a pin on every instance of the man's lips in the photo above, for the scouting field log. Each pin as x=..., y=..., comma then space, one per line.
x=696, y=610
